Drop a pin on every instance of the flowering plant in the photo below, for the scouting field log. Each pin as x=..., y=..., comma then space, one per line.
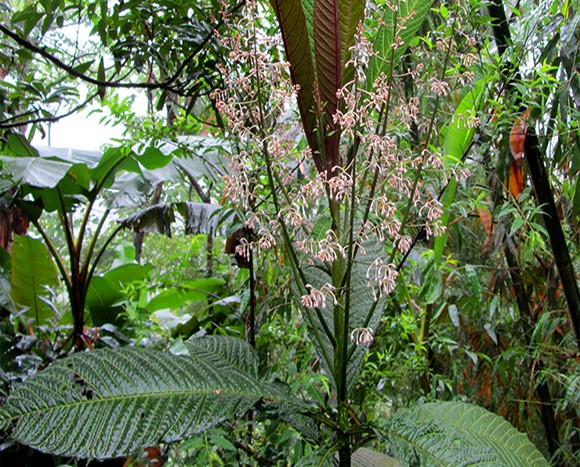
x=355, y=178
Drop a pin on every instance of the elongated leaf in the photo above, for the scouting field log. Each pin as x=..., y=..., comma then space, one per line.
x=364, y=311
x=327, y=50
x=32, y=272
x=292, y=21
x=458, y=136
x=366, y=307
x=351, y=13
x=402, y=24
x=110, y=403
x=458, y=434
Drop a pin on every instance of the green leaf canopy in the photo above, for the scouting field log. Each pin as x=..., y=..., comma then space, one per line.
x=110, y=403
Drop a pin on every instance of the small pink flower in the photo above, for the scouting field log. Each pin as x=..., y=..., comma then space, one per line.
x=362, y=336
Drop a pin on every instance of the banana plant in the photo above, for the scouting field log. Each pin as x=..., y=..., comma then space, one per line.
x=83, y=189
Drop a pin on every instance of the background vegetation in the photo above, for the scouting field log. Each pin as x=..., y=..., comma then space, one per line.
x=339, y=232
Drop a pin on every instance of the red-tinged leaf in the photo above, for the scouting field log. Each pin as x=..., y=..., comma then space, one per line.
x=516, y=178
x=293, y=26
x=487, y=222
x=351, y=13
x=518, y=136
x=329, y=74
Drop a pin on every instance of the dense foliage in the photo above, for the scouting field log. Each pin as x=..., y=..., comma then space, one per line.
x=339, y=232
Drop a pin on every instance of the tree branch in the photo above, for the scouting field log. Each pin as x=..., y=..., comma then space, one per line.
x=167, y=84
x=9, y=123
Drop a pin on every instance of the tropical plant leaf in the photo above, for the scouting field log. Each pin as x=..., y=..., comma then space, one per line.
x=366, y=306
x=200, y=218
x=34, y=171
x=364, y=457
x=32, y=272
x=308, y=6
x=351, y=13
x=327, y=50
x=458, y=137
x=20, y=146
x=296, y=37
x=401, y=20
x=157, y=218
x=458, y=434
x=364, y=311
x=109, y=403
x=196, y=289
x=103, y=298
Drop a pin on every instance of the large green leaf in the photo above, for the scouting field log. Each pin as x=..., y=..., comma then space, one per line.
x=35, y=171
x=458, y=434
x=365, y=309
x=110, y=403
x=103, y=300
x=32, y=272
x=402, y=24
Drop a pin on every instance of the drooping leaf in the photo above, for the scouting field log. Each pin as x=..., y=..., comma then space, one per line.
x=458, y=434
x=516, y=178
x=518, y=135
x=401, y=20
x=156, y=219
x=292, y=21
x=34, y=171
x=32, y=272
x=488, y=227
x=111, y=403
x=200, y=218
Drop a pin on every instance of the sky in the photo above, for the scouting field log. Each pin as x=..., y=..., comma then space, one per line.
x=79, y=131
